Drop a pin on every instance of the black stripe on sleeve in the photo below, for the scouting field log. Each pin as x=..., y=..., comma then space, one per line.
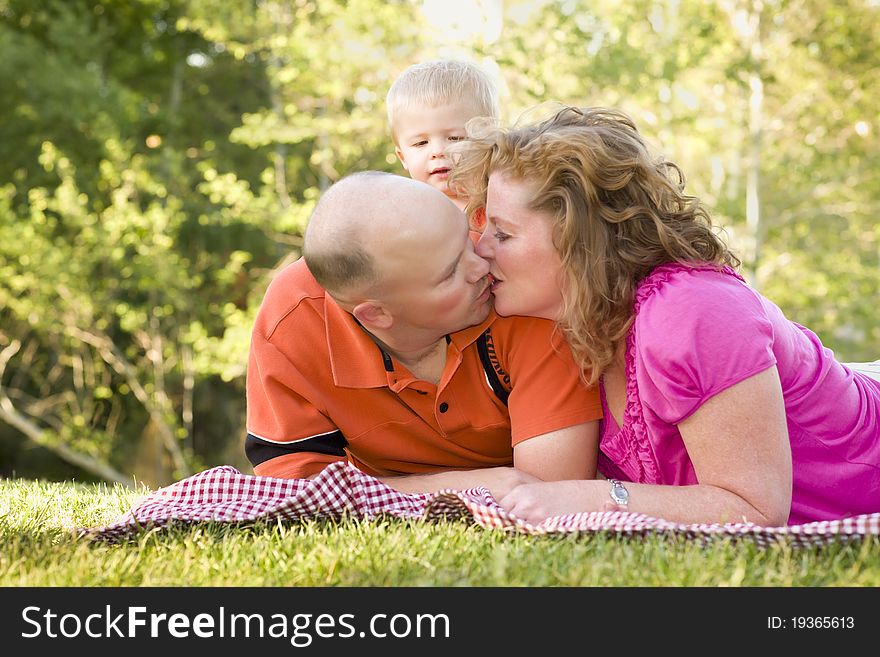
x=259, y=450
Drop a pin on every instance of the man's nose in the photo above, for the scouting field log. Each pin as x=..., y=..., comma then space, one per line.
x=479, y=267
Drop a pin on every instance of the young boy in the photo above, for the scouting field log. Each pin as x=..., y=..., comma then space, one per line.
x=428, y=106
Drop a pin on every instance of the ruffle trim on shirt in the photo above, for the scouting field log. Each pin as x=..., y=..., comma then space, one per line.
x=628, y=454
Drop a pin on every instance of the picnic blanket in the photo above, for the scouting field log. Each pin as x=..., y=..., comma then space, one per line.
x=225, y=495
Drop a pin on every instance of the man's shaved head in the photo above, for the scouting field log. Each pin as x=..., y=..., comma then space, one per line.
x=396, y=254
x=354, y=219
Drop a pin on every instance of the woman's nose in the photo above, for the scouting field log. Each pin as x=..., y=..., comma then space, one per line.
x=484, y=247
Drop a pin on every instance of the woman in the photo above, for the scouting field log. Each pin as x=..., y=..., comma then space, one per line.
x=717, y=408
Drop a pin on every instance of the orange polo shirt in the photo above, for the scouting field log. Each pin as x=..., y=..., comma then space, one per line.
x=320, y=390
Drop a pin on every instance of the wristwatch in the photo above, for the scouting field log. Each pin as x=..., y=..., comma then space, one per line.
x=619, y=494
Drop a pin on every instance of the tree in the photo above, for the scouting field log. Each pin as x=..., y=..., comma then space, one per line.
x=159, y=160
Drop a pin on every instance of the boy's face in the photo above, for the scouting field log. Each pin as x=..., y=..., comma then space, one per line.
x=422, y=135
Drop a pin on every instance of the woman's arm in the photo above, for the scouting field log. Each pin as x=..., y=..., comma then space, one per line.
x=739, y=446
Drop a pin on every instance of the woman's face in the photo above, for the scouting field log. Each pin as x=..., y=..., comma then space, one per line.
x=518, y=243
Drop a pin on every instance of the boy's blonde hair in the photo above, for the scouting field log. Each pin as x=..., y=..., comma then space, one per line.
x=439, y=82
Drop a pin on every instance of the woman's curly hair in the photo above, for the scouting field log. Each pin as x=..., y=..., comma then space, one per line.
x=618, y=213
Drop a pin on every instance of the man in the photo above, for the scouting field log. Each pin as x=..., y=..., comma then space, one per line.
x=380, y=346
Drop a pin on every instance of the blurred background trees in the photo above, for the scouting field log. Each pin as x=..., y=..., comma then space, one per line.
x=159, y=160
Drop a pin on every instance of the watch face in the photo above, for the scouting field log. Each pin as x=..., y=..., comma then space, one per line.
x=619, y=493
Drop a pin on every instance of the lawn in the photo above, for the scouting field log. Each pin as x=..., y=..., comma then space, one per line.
x=40, y=548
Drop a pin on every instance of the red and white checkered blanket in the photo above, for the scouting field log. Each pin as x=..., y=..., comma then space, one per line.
x=225, y=495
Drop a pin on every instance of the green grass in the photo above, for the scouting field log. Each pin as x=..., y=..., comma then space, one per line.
x=38, y=548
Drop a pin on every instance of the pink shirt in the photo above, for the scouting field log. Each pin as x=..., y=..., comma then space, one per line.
x=698, y=331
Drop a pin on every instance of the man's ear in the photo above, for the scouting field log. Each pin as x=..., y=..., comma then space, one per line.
x=373, y=315
x=399, y=154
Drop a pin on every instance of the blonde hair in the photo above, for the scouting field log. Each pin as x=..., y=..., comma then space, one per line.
x=617, y=214
x=440, y=82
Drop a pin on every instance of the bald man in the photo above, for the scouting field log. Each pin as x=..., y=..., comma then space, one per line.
x=380, y=347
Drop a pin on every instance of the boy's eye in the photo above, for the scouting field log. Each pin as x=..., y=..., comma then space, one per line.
x=456, y=138
x=421, y=142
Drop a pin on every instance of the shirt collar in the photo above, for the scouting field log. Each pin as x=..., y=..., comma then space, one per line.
x=461, y=339
x=355, y=360
x=358, y=362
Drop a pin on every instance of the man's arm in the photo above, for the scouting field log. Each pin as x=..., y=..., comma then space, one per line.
x=569, y=453
x=554, y=415
x=499, y=481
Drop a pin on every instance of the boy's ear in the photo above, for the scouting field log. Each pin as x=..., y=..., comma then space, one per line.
x=399, y=154
x=373, y=315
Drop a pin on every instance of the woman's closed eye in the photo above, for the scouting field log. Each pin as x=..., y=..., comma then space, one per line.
x=501, y=236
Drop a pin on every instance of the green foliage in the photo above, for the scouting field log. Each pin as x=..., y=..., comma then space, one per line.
x=160, y=158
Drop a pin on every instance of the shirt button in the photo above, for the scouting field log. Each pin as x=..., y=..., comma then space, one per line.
x=444, y=407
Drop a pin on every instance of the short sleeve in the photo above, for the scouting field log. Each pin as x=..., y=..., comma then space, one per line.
x=697, y=334
x=547, y=392
x=287, y=434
